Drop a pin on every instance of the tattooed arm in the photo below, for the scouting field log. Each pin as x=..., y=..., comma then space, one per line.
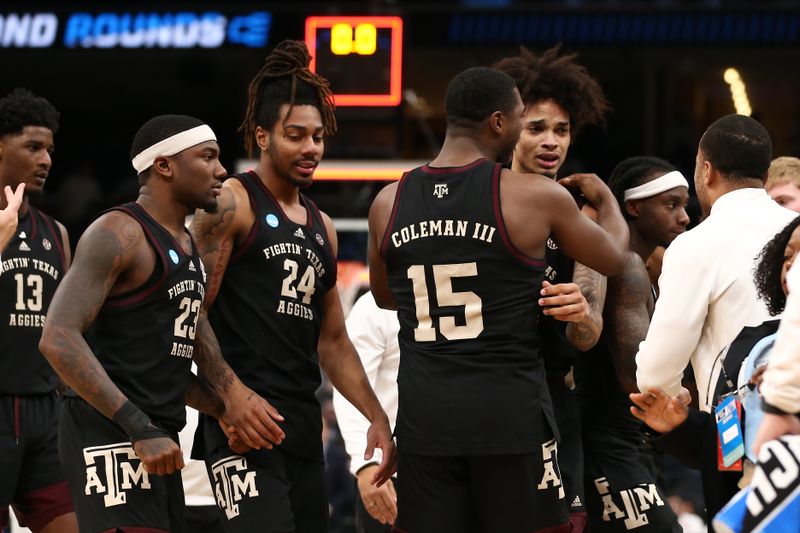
x=246, y=413
x=112, y=257
x=628, y=311
x=583, y=334
x=243, y=411
x=215, y=234
x=202, y=396
x=105, y=252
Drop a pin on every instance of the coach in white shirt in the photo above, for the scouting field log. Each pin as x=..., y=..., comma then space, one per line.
x=707, y=293
x=373, y=332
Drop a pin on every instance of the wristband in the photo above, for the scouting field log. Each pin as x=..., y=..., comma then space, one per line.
x=137, y=424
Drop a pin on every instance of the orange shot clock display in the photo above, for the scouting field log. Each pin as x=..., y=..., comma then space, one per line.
x=361, y=57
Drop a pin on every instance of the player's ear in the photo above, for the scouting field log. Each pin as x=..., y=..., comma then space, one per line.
x=262, y=138
x=632, y=208
x=497, y=121
x=162, y=166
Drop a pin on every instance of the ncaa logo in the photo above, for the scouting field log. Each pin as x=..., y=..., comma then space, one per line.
x=552, y=244
x=46, y=244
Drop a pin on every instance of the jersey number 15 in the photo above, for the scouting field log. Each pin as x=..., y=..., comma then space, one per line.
x=445, y=297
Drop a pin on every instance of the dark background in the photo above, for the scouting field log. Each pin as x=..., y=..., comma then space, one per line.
x=660, y=64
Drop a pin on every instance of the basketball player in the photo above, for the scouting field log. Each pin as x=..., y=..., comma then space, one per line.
x=135, y=292
x=35, y=260
x=560, y=97
x=271, y=256
x=652, y=195
x=457, y=246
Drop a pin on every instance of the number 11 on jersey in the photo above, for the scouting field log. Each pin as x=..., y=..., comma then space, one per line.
x=445, y=297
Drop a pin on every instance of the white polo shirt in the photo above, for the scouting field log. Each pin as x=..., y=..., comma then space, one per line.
x=707, y=293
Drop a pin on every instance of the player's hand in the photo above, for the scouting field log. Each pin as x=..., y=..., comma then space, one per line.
x=774, y=426
x=659, y=411
x=564, y=302
x=235, y=442
x=253, y=418
x=9, y=215
x=591, y=186
x=380, y=436
x=380, y=502
x=160, y=456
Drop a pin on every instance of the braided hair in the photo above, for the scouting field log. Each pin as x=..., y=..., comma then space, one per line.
x=767, y=273
x=285, y=79
x=560, y=78
x=635, y=171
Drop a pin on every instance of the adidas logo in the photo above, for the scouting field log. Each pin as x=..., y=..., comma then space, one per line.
x=299, y=233
x=191, y=266
x=576, y=502
x=22, y=235
x=24, y=247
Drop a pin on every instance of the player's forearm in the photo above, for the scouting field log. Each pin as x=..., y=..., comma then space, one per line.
x=210, y=362
x=345, y=371
x=203, y=398
x=610, y=218
x=584, y=335
x=70, y=356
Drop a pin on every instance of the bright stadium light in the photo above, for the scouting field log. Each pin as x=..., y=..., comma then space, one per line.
x=738, y=91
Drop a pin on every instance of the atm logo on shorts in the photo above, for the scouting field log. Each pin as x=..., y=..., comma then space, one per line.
x=551, y=478
x=232, y=482
x=635, y=502
x=113, y=469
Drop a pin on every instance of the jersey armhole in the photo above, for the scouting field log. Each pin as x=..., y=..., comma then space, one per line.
x=251, y=235
x=501, y=225
x=54, y=229
x=152, y=284
x=392, y=217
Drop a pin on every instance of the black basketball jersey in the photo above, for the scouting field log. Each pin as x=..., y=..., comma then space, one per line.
x=33, y=265
x=145, y=338
x=268, y=313
x=471, y=380
x=558, y=353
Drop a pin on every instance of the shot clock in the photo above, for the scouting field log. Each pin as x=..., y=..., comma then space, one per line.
x=361, y=57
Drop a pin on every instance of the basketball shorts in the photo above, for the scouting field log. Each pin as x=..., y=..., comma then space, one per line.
x=31, y=479
x=621, y=489
x=515, y=493
x=270, y=491
x=570, y=448
x=107, y=481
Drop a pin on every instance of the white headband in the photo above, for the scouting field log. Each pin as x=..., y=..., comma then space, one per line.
x=668, y=181
x=172, y=145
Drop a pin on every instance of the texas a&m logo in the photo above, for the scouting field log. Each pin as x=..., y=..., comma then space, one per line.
x=113, y=469
x=635, y=503
x=552, y=476
x=232, y=482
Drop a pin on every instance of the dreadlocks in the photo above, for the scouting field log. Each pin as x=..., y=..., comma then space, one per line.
x=285, y=79
x=557, y=77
